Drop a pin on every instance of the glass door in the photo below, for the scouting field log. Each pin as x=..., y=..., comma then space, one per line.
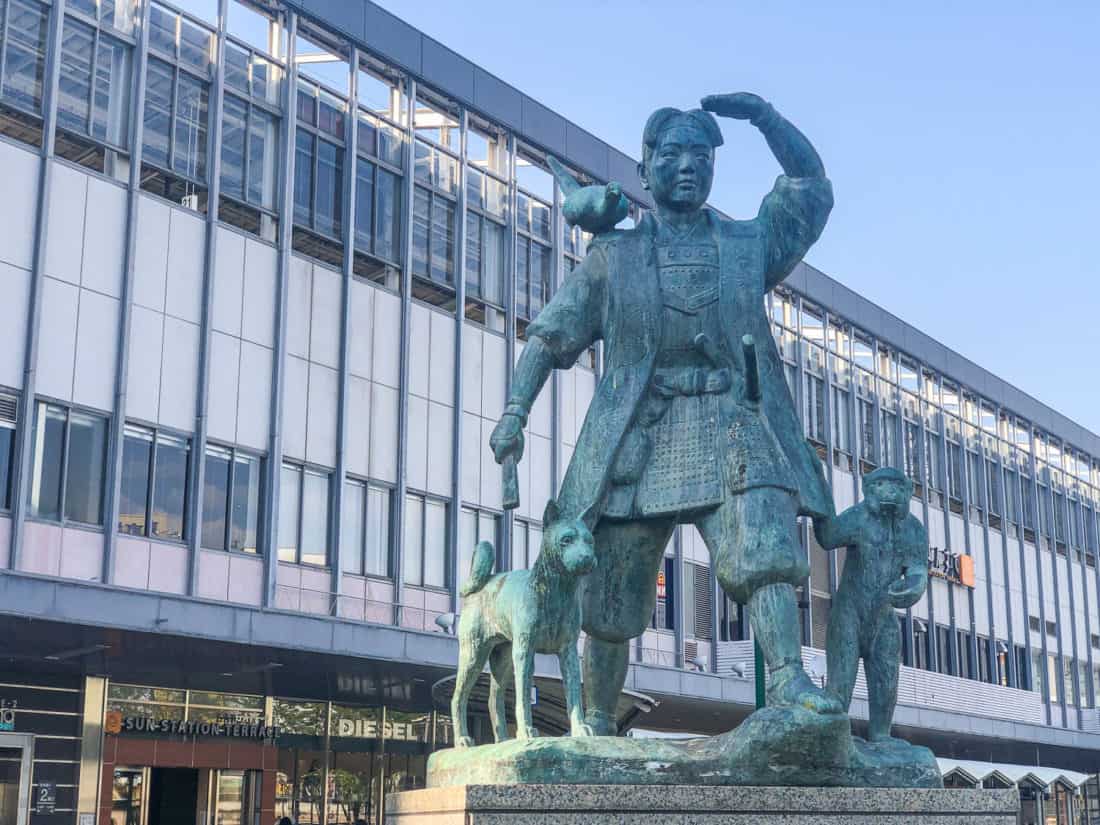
x=128, y=796
x=15, y=777
x=236, y=798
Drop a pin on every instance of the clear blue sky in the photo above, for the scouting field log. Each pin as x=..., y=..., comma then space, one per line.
x=962, y=139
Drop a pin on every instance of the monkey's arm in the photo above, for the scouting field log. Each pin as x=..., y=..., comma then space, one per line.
x=839, y=531
x=914, y=553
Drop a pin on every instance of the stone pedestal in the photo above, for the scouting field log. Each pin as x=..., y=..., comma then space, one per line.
x=693, y=805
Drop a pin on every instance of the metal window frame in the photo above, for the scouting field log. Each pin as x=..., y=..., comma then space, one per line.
x=230, y=495
x=63, y=479
x=155, y=431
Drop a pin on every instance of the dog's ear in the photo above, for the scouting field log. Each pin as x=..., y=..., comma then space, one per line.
x=550, y=515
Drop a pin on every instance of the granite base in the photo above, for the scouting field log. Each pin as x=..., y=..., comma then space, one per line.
x=693, y=805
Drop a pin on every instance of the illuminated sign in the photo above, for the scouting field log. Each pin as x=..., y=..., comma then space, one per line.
x=7, y=714
x=951, y=566
x=374, y=728
x=661, y=589
x=117, y=723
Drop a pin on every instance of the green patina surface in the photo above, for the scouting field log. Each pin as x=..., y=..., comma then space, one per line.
x=693, y=423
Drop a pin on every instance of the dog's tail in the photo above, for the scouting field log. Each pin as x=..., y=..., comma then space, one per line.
x=481, y=568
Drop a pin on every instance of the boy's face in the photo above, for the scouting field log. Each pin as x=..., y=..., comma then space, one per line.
x=680, y=168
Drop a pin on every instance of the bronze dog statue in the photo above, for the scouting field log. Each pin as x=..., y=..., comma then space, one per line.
x=509, y=617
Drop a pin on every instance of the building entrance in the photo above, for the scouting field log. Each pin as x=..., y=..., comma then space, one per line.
x=184, y=796
x=15, y=777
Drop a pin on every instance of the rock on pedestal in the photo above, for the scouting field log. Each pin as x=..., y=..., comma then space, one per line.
x=693, y=805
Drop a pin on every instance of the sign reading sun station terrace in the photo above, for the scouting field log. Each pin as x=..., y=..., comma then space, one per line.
x=951, y=566
x=117, y=723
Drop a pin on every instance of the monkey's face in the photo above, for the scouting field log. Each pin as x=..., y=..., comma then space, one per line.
x=888, y=496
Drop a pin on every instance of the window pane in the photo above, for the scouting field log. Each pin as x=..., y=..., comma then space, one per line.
x=49, y=444
x=244, y=529
x=519, y=544
x=378, y=532
x=467, y=541
x=330, y=184
x=473, y=254
x=435, y=544
x=364, y=204
x=196, y=46
x=303, y=178
x=290, y=490
x=414, y=540
x=24, y=61
x=190, y=128
x=137, y=447
x=234, y=129
x=522, y=245
x=351, y=526
x=170, y=487
x=215, y=498
x=236, y=68
x=162, y=29
x=75, y=82
x=158, y=112
x=7, y=451
x=534, y=544
x=421, y=219
x=387, y=216
x=443, y=241
x=315, y=519
x=262, y=139
x=111, y=98
x=492, y=263
x=540, y=277
x=84, y=468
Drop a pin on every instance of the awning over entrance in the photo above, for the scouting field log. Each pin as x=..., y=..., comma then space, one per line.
x=978, y=772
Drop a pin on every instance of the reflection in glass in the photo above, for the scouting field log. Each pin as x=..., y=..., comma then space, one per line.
x=378, y=531
x=157, y=130
x=137, y=451
x=85, y=459
x=215, y=498
x=25, y=53
x=189, y=149
x=435, y=543
x=244, y=535
x=170, y=487
x=290, y=494
x=7, y=452
x=314, y=518
x=414, y=540
x=351, y=525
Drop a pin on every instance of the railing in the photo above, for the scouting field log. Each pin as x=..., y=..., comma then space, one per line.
x=916, y=687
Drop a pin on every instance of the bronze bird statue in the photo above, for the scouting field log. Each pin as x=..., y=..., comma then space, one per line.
x=595, y=209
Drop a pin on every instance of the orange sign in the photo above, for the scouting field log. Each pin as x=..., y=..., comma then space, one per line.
x=966, y=570
x=112, y=722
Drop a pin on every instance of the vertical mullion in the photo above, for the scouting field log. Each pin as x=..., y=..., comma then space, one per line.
x=23, y=452
x=557, y=271
x=830, y=451
x=403, y=355
x=983, y=479
x=1055, y=586
x=455, y=512
x=922, y=473
x=505, y=551
x=116, y=427
x=278, y=357
x=1011, y=674
x=1038, y=504
x=64, y=486
x=227, y=537
x=151, y=485
x=1022, y=560
x=91, y=76
x=196, y=472
x=351, y=167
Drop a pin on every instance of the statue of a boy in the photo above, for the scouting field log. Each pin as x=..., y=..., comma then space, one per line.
x=886, y=567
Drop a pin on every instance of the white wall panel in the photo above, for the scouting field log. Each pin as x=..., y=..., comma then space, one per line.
x=956, y=528
x=470, y=466
x=151, y=253
x=258, y=321
x=104, y=237
x=65, y=224
x=144, y=362
x=321, y=422
x=472, y=358
x=420, y=349
x=96, y=350
x=358, y=426
x=324, y=343
x=254, y=396
x=387, y=339
x=568, y=414
x=939, y=600
x=295, y=404
x=179, y=374
x=417, y=434
x=228, y=282
x=492, y=378
x=539, y=449
x=57, y=343
x=361, y=328
x=383, y=433
x=15, y=286
x=18, y=208
x=186, y=242
x=523, y=477
x=225, y=359
x=540, y=418
x=1048, y=580
x=441, y=369
x=586, y=386
x=490, y=470
x=440, y=448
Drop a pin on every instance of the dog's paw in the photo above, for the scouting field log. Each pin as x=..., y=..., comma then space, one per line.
x=527, y=733
x=464, y=742
x=581, y=729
